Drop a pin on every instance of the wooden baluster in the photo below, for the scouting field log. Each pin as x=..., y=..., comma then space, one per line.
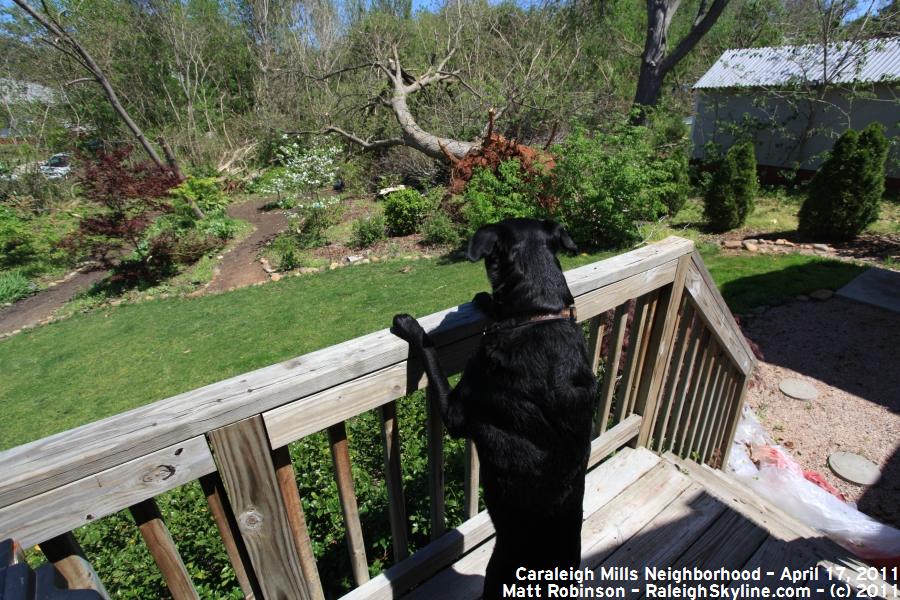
x=637, y=325
x=735, y=416
x=471, y=483
x=676, y=375
x=595, y=341
x=716, y=408
x=66, y=554
x=617, y=338
x=659, y=352
x=435, y=430
x=706, y=400
x=340, y=455
x=221, y=512
x=390, y=443
x=162, y=547
x=244, y=458
x=647, y=334
x=730, y=397
x=678, y=420
x=287, y=483
x=693, y=407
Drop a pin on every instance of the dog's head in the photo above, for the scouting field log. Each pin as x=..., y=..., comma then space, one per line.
x=520, y=259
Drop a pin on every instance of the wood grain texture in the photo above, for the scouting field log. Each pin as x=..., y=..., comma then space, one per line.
x=57, y=511
x=390, y=444
x=735, y=416
x=54, y=461
x=244, y=458
x=614, y=438
x=713, y=310
x=434, y=428
x=610, y=376
x=471, y=485
x=623, y=393
x=221, y=512
x=343, y=475
x=595, y=341
x=66, y=554
x=662, y=346
x=163, y=550
x=674, y=375
x=287, y=484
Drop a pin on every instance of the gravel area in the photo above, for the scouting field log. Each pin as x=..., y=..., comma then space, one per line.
x=849, y=352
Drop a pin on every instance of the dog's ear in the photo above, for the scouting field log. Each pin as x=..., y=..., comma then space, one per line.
x=483, y=242
x=559, y=237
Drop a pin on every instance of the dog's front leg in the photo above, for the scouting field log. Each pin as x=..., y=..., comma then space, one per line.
x=420, y=344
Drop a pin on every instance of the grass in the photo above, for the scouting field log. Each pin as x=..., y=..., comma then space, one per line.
x=98, y=364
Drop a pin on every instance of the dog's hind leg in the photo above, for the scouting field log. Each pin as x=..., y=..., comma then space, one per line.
x=449, y=400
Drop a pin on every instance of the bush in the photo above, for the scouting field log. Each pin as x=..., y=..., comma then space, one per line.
x=490, y=197
x=202, y=191
x=310, y=221
x=13, y=286
x=607, y=183
x=404, y=211
x=16, y=240
x=732, y=189
x=845, y=194
x=439, y=230
x=674, y=184
x=368, y=231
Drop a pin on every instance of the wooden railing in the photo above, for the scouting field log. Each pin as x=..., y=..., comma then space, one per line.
x=675, y=368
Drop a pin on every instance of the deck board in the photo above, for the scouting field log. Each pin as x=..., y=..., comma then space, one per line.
x=642, y=510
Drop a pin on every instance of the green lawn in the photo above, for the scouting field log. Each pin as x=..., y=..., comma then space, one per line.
x=94, y=365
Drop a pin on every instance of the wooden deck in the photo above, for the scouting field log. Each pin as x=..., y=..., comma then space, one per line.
x=641, y=509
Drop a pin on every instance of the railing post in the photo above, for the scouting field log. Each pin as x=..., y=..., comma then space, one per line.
x=735, y=418
x=435, y=432
x=340, y=455
x=244, y=460
x=471, y=485
x=390, y=440
x=660, y=352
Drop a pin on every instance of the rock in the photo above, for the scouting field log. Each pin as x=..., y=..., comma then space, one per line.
x=806, y=246
x=307, y=270
x=334, y=266
x=267, y=267
x=220, y=256
x=732, y=243
x=784, y=242
x=275, y=276
x=854, y=468
x=750, y=246
x=821, y=294
x=798, y=389
x=364, y=261
x=353, y=259
x=375, y=259
x=821, y=247
x=394, y=188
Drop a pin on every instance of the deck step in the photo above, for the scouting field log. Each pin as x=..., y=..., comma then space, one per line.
x=465, y=578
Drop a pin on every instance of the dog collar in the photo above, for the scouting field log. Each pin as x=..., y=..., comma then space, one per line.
x=569, y=313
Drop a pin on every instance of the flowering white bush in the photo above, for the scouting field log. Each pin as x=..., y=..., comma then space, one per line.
x=305, y=169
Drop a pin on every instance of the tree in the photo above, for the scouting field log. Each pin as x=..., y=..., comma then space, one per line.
x=845, y=194
x=731, y=193
x=656, y=61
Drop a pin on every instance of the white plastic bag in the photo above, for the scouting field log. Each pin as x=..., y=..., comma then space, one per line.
x=781, y=481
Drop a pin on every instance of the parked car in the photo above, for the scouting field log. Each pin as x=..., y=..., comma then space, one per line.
x=58, y=166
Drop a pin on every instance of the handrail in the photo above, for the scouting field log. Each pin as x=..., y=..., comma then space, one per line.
x=684, y=366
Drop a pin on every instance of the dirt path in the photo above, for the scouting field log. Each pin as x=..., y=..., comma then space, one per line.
x=35, y=309
x=239, y=266
x=848, y=351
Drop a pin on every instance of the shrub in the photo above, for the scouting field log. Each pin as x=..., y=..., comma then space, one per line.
x=607, y=183
x=310, y=221
x=490, y=197
x=368, y=231
x=404, y=211
x=845, y=194
x=218, y=226
x=16, y=240
x=202, y=191
x=13, y=286
x=439, y=230
x=674, y=181
x=732, y=189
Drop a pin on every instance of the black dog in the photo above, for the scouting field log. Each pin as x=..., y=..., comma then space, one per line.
x=526, y=398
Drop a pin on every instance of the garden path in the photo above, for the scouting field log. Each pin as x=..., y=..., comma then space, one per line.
x=239, y=267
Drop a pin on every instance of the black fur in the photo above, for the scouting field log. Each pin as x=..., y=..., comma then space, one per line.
x=526, y=399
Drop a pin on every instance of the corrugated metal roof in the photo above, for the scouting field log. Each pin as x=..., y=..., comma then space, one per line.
x=863, y=61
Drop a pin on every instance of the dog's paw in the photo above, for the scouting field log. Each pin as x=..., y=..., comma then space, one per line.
x=484, y=302
x=407, y=328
